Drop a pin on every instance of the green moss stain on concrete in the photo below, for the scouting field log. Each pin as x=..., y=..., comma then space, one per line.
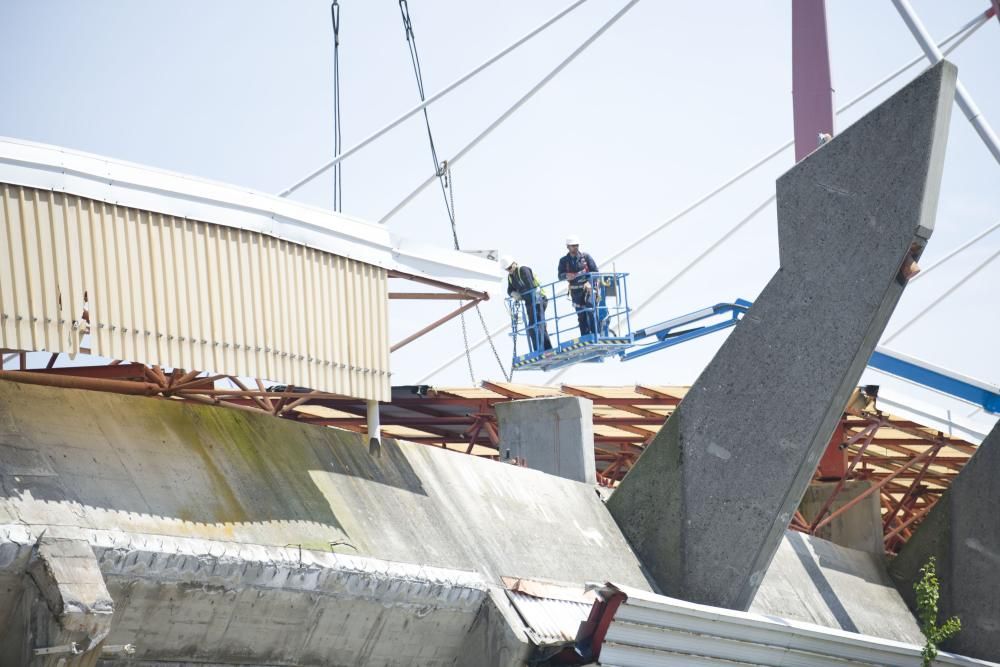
x=222, y=473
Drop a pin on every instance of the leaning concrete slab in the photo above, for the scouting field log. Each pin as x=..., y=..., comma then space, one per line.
x=707, y=503
x=554, y=434
x=963, y=533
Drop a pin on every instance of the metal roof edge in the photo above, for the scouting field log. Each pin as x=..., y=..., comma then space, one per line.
x=721, y=632
x=119, y=182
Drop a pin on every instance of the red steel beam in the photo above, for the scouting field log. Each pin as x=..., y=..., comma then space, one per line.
x=434, y=325
x=861, y=496
x=871, y=431
x=471, y=294
x=76, y=382
x=117, y=372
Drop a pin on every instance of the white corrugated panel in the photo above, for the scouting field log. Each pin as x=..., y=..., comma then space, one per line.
x=187, y=294
x=101, y=178
x=550, y=621
x=650, y=630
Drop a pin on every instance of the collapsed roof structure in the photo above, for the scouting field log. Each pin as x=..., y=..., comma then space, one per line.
x=175, y=532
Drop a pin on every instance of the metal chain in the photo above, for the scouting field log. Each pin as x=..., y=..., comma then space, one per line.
x=447, y=189
x=446, y=181
x=503, y=371
x=468, y=352
x=449, y=184
x=443, y=168
x=449, y=204
x=411, y=42
x=514, y=316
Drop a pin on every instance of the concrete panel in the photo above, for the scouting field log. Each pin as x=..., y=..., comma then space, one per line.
x=196, y=471
x=707, y=503
x=553, y=434
x=813, y=580
x=67, y=603
x=860, y=527
x=963, y=533
x=202, y=601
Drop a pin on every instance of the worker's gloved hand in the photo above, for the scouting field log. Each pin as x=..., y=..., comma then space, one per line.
x=587, y=288
x=516, y=296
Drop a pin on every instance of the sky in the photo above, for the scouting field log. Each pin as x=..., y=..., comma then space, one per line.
x=672, y=101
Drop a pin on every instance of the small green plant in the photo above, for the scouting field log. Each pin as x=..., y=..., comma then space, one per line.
x=928, y=591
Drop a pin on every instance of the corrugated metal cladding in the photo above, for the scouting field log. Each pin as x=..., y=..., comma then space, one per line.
x=550, y=621
x=188, y=294
x=650, y=630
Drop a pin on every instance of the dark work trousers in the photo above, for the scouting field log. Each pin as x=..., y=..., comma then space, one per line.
x=583, y=301
x=537, y=331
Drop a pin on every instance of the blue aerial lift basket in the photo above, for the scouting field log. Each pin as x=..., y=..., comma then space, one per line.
x=613, y=336
x=607, y=314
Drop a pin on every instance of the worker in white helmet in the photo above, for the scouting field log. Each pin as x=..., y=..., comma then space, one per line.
x=576, y=267
x=522, y=285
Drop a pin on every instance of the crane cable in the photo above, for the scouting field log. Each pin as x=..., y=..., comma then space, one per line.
x=961, y=35
x=440, y=168
x=338, y=195
x=446, y=180
x=433, y=98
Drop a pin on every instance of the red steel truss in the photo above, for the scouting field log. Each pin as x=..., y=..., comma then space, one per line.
x=907, y=464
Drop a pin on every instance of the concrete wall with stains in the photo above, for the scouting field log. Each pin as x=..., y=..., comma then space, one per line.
x=153, y=466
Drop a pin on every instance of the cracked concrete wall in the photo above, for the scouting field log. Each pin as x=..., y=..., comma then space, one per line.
x=193, y=601
x=139, y=465
x=707, y=503
x=134, y=476
x=162, y=553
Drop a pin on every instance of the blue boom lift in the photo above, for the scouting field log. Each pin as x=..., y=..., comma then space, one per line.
x=614, y=337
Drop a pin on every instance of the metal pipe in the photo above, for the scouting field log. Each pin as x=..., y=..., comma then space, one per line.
x=207, y=400
x=891, y=515
x=427, y=296
x=463, y=291
x=867, y=492
x=75, y=382
x=965, y=101
x=374, y=426
x=514, y=107
x=258, y=401
x=433, y=98
x=906, y=524
x=434, y=325
x=870, y=435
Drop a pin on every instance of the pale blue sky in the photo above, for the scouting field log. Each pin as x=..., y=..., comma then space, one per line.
x=673, y=100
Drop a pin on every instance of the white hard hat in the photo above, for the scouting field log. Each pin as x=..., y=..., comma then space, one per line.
x=572, y=240
x=506, y=261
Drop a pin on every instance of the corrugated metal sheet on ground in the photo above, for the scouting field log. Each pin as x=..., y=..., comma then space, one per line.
x=187, y=294
x=550, y=621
